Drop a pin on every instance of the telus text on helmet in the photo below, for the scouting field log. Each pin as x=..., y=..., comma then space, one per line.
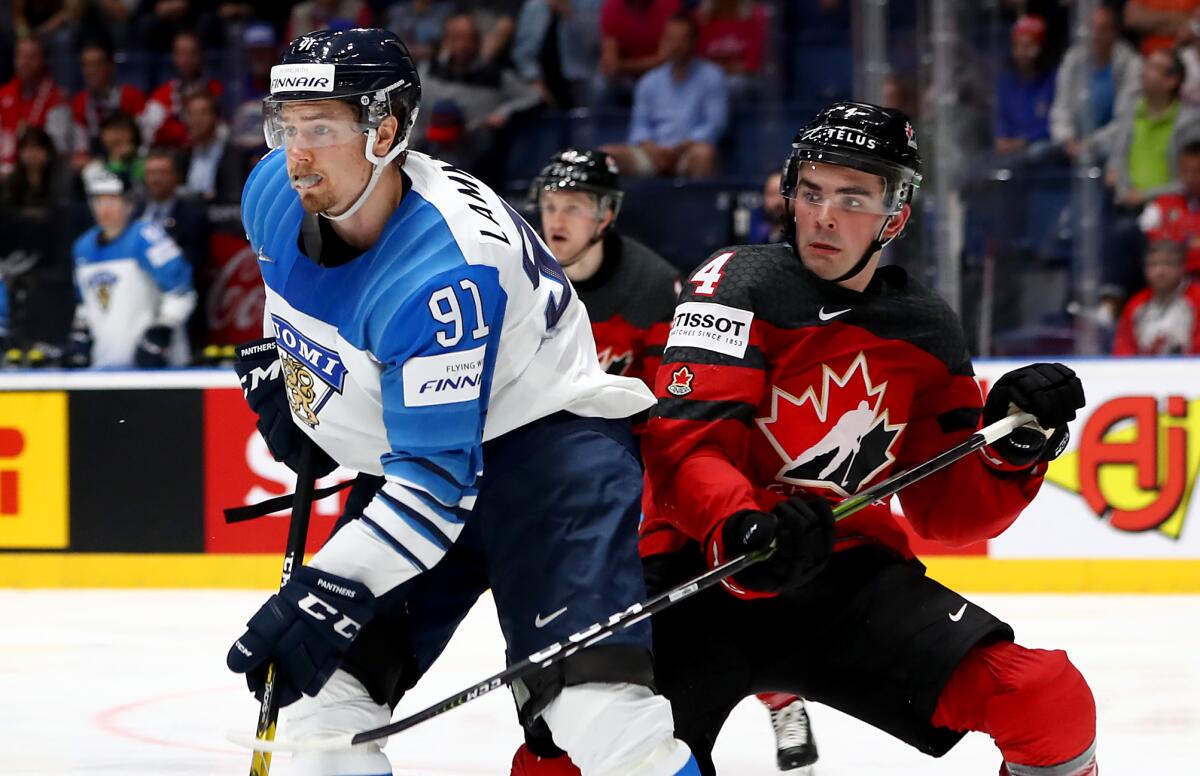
x=848, y=135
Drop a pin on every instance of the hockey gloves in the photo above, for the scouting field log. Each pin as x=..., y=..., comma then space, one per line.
x=77, y=350
x=305, y=629
x=1051, y=393
x=151, y=352
x=261, y=371
x=802, y=532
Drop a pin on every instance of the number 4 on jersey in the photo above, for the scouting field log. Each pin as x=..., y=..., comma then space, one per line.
x=708, y=276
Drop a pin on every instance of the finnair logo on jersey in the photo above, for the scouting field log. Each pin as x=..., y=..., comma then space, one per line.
x=302, y=78
x=444, y=379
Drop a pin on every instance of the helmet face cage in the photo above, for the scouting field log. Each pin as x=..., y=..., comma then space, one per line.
x=899, y=183
x=372, y=107
x=606, y=199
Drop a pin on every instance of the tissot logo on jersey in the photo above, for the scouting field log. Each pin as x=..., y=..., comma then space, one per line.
x=312, y=373
x=709, y=326
x=835, y=436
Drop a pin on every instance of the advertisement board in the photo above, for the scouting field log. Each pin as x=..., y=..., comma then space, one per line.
x=1124, y=488
x=33, y=471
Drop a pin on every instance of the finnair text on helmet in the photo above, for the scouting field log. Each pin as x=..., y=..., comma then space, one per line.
x=302, y=78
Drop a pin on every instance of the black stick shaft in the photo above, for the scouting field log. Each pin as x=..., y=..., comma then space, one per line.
x=293, y=556
x=638, y=612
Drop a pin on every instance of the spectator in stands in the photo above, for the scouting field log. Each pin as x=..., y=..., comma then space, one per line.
x=1189, y=53
x=447, y=138
x=487, y=93
x=1163, y=318
x=1147, y=142
x=680, y=110
x=631, y=34
x=169, y=207
x=162, y=121
x=769, y=226
x=182, y=218
x=42, y=19
x=1175, y=215
x=215, y=168
x=120, y=144
x=246, y=128
x=496, y=21
x=419, y=24
x=1096, y=85
x=158, y=22
x=32, y=99
x=36, y=225
x=733, y=34
x=1157, y=23
x=101, y=96
x=312, y=15
x=556, y=47
x=1025, y=91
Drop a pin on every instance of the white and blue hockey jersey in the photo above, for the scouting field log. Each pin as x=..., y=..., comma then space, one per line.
x=126, y=285
x=457, y=326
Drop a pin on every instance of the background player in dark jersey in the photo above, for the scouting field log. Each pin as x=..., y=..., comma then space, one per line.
x=630, y=293
x=629, y=290
x=793, y=376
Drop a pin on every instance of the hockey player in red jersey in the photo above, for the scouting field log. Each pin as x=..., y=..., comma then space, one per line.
x=629, y=290
x=795, y=375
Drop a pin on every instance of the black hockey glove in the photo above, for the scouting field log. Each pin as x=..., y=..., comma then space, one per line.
x=1051, y=393
x=151, y=352
x=802, y=530
x=305, y=629
x=261, y=372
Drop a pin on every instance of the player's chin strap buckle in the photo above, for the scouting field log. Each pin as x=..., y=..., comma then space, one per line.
x=277, y=504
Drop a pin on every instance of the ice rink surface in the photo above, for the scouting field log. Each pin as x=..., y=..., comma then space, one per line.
x=118, y=683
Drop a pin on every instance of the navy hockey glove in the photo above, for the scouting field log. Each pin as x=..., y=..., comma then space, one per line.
x=1051, y=393
x=151, y=352
x=77, y=350
x=305, y=629
x=261, y=372
x=802, y=530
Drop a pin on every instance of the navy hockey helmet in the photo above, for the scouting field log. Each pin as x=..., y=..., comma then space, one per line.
x=588, y=171
x=368, y=69
x=865, y=137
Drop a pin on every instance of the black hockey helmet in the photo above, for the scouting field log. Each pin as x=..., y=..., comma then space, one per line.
x=584, y=170
x=864, y=137
x=369, y=69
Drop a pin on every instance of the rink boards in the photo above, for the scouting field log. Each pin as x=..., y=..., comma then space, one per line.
x=120, y=479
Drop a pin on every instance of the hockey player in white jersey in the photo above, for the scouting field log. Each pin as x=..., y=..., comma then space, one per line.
x=133, y=285
x=427, y=335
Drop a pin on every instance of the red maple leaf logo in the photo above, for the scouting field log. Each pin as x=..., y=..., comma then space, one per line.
x=837, y=439
x=681, y=382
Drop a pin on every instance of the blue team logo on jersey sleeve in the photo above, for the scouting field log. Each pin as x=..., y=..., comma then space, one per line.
x=312, y=373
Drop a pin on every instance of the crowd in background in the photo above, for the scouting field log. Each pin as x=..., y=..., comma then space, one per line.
x=166, y=94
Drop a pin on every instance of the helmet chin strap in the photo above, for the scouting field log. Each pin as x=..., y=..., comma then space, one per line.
x=380, y=163
x=877, y=244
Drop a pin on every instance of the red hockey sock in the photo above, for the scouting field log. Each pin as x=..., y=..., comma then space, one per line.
x=776, y=700
x=1034, y=703
x=526, y=763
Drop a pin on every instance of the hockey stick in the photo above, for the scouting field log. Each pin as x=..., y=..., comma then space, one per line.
x=640, y=611
x=293, y=556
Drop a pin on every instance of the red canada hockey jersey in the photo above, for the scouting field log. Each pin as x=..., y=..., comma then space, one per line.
x=776, y=382
x=630, y=300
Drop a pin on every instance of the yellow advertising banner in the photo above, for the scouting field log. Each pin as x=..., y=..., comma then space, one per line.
x=34, y=480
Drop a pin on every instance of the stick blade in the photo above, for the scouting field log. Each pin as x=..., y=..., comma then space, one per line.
x=326, y=744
